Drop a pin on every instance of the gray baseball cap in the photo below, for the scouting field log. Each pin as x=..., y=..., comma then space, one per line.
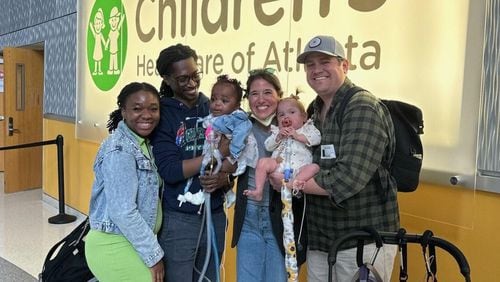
x=323, y=44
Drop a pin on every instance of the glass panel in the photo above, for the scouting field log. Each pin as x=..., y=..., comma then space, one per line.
x=20, y=87
x=488, y=163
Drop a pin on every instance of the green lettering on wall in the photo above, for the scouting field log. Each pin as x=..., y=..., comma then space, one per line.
x=171, y=10
x=220, y=23
x=237, y=14
x=162, y=4
x=144, y=37
x=272, y=58
x=366, y=5
x=367, y=56
x=265, y=19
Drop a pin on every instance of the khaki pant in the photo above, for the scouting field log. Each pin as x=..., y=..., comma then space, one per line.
x=346, y=266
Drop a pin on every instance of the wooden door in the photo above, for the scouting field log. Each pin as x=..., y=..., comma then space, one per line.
x=23, y=81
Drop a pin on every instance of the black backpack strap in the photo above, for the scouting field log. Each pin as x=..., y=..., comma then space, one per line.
x=310, y=110
x=340, y=116
x=340, y=112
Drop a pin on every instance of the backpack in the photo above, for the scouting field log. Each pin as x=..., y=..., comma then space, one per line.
x=408, y=125
x=66, y=260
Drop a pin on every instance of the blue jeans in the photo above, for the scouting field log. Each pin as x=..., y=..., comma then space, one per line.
x=259, y=257
x=179, y=238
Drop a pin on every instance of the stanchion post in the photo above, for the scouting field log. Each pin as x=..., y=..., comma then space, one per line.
x=62, y=217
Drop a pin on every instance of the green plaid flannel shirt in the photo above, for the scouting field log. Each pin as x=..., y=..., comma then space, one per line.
x=360, y=147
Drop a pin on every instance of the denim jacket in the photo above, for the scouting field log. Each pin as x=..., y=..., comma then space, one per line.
x=125, y=193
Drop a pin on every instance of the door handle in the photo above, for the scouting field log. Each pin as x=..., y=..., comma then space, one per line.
x=2, y=118
x=11, y=128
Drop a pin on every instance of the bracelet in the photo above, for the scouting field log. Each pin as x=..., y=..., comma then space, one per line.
x=228, y=179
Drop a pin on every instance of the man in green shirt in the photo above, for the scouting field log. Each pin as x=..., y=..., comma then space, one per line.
x=343, y=196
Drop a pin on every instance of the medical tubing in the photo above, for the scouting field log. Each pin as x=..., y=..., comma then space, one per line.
x=209, y=235
x=299, y=245
x=215, y=252
x=199, y=240
x=288, y=171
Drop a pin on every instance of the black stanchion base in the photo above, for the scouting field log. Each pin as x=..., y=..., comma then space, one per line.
x=62, y=218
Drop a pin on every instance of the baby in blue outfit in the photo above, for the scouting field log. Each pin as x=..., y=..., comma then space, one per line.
x=227, y=118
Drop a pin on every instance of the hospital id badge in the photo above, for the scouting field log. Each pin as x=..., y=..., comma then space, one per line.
x=328, y=152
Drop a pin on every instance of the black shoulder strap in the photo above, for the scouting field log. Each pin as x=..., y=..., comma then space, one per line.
x=310, y=109
x=340, y=112
x=340, y=116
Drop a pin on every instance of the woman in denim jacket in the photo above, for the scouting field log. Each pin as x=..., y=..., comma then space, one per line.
x=125, y=211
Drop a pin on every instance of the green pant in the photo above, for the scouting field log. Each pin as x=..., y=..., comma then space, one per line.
x=112, y=258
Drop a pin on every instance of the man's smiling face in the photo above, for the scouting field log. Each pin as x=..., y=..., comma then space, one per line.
x=325, y=74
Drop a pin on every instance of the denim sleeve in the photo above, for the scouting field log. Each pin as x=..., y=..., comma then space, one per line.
x=238, y=125
x=242, y=129
x=121, y=188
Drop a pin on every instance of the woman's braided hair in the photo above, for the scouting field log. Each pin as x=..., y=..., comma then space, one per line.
x=167, y=57
x=116, y=116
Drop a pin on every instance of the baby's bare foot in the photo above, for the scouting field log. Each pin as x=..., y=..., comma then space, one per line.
x=253, y=194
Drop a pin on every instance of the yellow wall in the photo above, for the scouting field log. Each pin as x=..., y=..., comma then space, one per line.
x=78, y=160
x=463, y=217
x=2, y=124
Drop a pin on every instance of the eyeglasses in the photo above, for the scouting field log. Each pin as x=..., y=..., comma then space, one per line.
x=184, y=79
x=262, y=71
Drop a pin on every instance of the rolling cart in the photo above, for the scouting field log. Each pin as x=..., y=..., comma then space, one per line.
x=427, y=241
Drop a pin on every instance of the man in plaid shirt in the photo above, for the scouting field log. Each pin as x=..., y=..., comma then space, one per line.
x=343, y=196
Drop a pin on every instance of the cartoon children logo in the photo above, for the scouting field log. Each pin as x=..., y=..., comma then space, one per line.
x=106, y=42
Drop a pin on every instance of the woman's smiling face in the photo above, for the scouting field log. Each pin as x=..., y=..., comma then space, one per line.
x=141, y=112
x=262, y=99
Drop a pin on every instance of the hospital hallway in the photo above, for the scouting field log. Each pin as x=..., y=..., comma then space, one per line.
x=26, y=236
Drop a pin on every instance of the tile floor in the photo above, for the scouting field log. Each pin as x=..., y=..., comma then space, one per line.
x=25, y=233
